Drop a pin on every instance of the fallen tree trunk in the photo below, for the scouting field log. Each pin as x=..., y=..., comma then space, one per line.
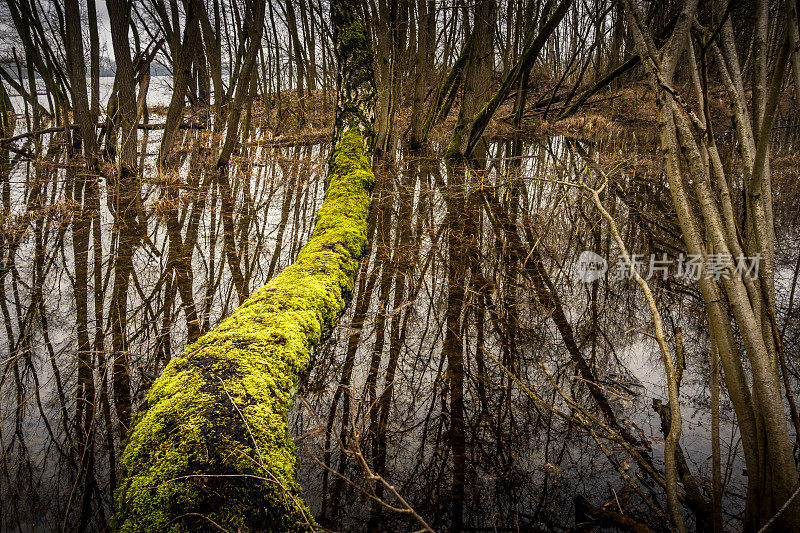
x=468, y=132
x=212, y=448
x=587, y=517
x=604, y=82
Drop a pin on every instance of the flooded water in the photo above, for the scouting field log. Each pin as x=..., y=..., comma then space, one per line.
x=468, y=316
x=159, y=92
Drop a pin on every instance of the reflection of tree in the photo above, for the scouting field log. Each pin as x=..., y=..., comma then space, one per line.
x=476, y=384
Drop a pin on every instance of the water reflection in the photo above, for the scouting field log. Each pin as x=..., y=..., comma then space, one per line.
x=102, y=282
x=466, y=309
x=468, y=301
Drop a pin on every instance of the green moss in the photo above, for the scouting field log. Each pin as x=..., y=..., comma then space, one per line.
x=213, y=443
x=453, y=150
x=354, y=53
x=357, y=51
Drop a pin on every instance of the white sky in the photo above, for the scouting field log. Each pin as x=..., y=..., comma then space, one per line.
x=103, y=26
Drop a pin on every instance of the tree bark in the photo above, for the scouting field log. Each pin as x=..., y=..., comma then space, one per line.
x=181, y=73
x=472, y=124
x=212, y=447
x=77, y=76
x=702, y=198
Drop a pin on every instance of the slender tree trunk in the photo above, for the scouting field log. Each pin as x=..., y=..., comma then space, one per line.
x=423, y=67
x=77, y=74
x=473, y=120
x=94, y=59
x=119, y=17
x=181, y=73
x=700, y=191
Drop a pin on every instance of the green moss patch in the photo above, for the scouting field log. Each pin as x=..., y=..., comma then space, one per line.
x=213, y=446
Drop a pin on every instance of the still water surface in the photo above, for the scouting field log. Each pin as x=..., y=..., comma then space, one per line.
x=429, y=375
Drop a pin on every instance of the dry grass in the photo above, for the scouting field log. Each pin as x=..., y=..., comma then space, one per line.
x=160, y=110
x=624, y=115
x=589, y=126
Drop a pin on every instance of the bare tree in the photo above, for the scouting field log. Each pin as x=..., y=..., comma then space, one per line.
x=701, y=193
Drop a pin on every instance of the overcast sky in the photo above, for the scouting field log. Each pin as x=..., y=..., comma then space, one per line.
x=104, y=28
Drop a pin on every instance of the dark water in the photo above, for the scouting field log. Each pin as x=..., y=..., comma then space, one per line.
x=452, y=329
x=435, y=376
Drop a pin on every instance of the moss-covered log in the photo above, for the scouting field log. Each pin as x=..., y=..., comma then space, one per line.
x=212, y=450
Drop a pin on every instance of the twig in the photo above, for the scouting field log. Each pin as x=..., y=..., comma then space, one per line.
x=786, y=504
